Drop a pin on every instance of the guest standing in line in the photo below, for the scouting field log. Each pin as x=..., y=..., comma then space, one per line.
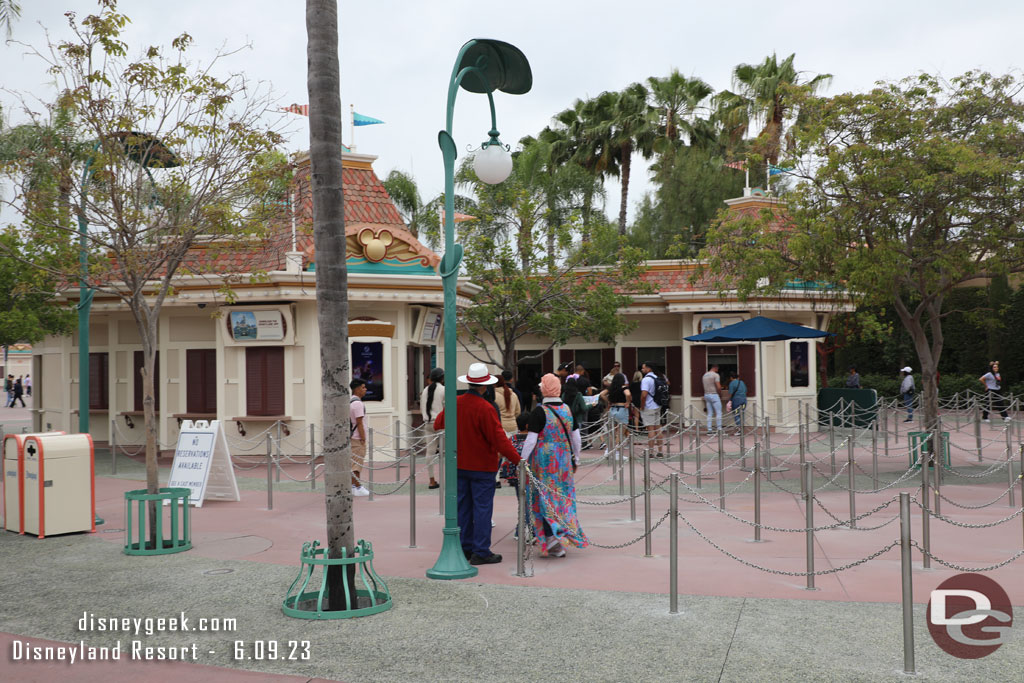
x=508, y=403
x=481, y=442
x=552, y=448
x=431, y=405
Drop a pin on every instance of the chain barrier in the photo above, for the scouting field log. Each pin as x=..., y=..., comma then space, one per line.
x=846, y=522
x=965, y=525
x=975, y=507
x=989, y=568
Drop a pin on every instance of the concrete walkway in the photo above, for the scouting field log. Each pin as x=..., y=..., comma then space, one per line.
x=599, y=614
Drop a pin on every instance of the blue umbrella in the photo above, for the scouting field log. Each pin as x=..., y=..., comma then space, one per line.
x=759, y=329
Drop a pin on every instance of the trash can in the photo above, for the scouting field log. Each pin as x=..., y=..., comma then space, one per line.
x=14, y=481
x=919, y=441
x=59, y=484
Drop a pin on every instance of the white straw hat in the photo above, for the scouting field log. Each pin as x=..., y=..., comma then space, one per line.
x=479, y=375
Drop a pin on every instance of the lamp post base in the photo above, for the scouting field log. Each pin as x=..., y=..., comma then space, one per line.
x=452, y=562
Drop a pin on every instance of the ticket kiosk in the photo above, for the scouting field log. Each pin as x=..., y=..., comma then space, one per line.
x=59, y=484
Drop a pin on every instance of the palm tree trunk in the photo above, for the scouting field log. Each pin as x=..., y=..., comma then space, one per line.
x=627, y=154
x=323, y=83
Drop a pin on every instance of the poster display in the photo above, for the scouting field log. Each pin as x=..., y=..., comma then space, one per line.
x=430, y=332
x=799, y=365
x=368, y=365
x=257, y=326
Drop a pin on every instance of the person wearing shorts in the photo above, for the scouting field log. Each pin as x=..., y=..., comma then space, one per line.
x=650, y=411
x=357, y=420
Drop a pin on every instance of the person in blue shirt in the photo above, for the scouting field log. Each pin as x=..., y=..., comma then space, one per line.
x=738, y=396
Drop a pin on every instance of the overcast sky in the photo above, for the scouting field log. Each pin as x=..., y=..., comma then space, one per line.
x=396, y=57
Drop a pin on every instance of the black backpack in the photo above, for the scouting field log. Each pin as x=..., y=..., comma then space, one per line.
x=662, y=395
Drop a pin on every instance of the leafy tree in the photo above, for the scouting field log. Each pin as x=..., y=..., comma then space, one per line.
x=324, y=86
x=27, y=309
x=177, y=160
x=765, y=97
x=906, y=192
x=9, y=11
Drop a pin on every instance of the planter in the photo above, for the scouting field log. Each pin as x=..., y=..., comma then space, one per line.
x=307, y=597
x=173, y=524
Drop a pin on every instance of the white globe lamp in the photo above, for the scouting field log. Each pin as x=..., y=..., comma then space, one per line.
x=492, y=163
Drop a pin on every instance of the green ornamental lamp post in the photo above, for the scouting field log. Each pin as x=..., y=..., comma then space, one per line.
x=147, y=151
x=482, y=66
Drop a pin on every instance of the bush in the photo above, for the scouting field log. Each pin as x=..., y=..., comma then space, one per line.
x=889, y=385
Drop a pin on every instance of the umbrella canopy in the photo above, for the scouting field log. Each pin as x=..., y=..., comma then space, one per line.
x=758, y=328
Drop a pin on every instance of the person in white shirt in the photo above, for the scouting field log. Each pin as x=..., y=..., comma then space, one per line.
x=431, y=405
x=993, y=382
x=907, y=391
x=650, y=411
x=356, y=416
x=712, y=382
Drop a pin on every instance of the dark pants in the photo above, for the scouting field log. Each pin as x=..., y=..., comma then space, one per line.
x=476, y=504
x=996, y=402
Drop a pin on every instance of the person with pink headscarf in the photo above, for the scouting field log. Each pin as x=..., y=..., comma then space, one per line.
x=552, y=448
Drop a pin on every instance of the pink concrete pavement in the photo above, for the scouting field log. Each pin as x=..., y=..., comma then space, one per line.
x=246, y=530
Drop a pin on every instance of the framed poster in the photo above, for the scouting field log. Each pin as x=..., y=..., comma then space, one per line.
x=368, y=365
x=430, y=330
x=256, y=325
x=799, y=364
x=715, y=323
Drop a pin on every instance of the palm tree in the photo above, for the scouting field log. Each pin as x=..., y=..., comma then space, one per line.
x=762, y=97
x=9, y=11
x=323, y=83
x=677, y=99
x=406, y=195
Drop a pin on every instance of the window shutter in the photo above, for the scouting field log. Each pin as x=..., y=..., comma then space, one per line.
x=607, y=359
x=547, y=362
x=201, y=380
x=629, y=364
x=98, y=390
x=255, y=369
x=748, y=370
x=274, y=383
x=698, y=366
x=674, y=369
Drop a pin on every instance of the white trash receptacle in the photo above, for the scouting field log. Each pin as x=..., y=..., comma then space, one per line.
x=14, y=481
x=59, y=484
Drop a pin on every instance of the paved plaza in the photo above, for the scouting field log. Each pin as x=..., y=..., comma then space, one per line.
x=600, y=614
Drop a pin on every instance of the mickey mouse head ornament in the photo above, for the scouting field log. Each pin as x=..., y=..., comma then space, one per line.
x=375, y=248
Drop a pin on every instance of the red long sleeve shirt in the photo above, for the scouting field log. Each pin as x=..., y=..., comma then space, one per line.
x=481, y=438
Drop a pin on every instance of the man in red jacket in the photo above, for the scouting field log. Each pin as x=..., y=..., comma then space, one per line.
x=481, y=441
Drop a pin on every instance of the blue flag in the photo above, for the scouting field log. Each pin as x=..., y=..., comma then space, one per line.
x=772, y=170
x=360, y=120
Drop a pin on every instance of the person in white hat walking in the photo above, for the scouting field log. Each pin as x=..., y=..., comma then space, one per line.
x=907, y=391
x=481, y=442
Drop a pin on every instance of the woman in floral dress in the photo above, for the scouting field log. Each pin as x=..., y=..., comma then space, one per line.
x=552, y=448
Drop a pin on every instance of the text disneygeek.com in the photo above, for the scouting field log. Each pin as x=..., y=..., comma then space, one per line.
x=24, y=650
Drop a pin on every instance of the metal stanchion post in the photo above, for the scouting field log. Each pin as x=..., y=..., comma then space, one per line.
x=874, y=452
x=369, y=466
x=440, y=475
x=757, y=492
x=278, y=472
x=924, y=459
x=1021, y=478
x=521, y=531
x=312, y=457
x=647, y=504
x=1009, y=470
x=412, y=497
x=743, y=428
x=721, y=473
x=632, y=486
x=896, y=426
x=977, y=429
x=681, y=446
x=398, y=450
x=937, y=470
x=908, y=586
x=114, y=446
x=697, y=456
x=673, y=543
x=803, y=461
x=832, y=442
x=885, y=433
x=807, y=476
x=851, y=479
x=270, y=475
x=767, y=451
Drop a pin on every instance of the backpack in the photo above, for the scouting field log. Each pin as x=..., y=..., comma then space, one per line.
x=662, y=395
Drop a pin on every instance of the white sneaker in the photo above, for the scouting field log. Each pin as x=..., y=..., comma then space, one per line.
x=1006, y=419
x=987, y=421
x=360, y=491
